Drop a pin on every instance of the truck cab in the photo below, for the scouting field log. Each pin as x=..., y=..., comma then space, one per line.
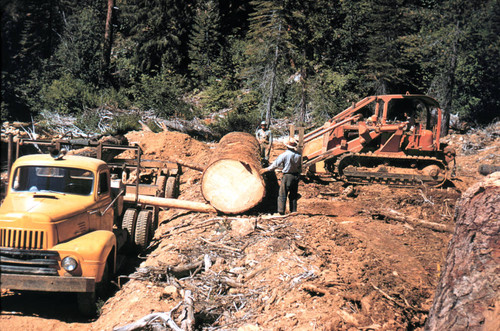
x=56, y=226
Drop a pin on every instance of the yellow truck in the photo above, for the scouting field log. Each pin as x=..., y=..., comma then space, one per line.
x=63, y=221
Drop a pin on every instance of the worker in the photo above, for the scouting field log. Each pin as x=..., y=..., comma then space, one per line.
x=411, y=122
x=265, y=138
x=290, y=160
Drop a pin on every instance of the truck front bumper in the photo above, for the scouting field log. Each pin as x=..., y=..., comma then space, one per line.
x=47, y=283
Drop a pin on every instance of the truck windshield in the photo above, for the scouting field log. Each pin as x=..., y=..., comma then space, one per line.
x=53, y=179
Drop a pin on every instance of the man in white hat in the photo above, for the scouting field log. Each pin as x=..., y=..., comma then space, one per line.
x=265, y=138
x=290, y=160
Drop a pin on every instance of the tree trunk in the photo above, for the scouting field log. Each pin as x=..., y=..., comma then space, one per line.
x=303, y=98
x=108, y=40
x=274, y=68
x=449, y=81
x=231, y=182
x=467, y=296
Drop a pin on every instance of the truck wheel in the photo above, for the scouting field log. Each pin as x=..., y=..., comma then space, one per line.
x=102, y=288
x=172, y=187
x=142, y=230
x=87, y=305
x=160, y=183
x=129, y=223
x=154, y=222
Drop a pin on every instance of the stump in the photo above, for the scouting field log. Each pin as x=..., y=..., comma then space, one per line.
x=231, y=182
x=468, y=293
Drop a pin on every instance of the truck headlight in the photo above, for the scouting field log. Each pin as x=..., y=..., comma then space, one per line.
x=69, y=263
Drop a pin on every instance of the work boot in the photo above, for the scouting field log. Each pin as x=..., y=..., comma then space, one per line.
x=281, y=205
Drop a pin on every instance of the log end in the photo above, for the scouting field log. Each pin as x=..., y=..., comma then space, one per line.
x=232, y=186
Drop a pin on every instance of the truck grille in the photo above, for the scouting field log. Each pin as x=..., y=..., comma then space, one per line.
x=28, y=262
x=24, y=239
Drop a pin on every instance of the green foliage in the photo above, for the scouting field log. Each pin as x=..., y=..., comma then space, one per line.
x=69, y=95
x=218, y=96
x=66, y=95
x=30, y=29
x=236, y=121
x=292, y=58
x=331, y=92
x=205, y=45
x=154, y=126
x=125, y=122
x=126, y=72
x=242, y=116
x=92, y=121
x=88, y=121
x=111, y=97
x=79, y=52
x=162, y=94
x=158, y=30
x=477, y=79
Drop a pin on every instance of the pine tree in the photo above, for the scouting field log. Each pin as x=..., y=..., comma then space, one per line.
x=388, y=25
x=158, y=30
x=29, y=36
x=462, y=43
x=205, y=45
x=80, y=51
x=477, y=78
x=267, y=49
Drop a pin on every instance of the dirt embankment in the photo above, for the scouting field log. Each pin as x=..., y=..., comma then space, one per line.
x=336, y=265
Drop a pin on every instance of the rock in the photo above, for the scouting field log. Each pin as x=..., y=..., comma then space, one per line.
x=249, y=327
x=242, y=227
x=170, y=291
x=349, y=191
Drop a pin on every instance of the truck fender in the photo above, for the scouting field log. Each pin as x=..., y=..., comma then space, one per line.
x=93, y=250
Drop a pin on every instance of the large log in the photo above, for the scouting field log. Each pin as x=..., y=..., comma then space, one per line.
x=468, y=293
x=231, y=182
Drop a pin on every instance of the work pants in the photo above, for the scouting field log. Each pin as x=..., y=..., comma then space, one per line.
x=289, y=187
x=265, y=150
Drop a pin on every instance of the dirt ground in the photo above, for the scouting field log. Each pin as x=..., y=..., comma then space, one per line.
x=338, y=264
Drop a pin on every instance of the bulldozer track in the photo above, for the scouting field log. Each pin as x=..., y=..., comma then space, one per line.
x=359, y=168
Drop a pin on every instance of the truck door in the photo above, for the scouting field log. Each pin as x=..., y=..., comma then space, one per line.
x=101, y=217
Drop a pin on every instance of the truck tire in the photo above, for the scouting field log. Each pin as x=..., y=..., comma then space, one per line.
x=87, y=301
x=129, y=223
x=172, y=187
x=142, y=233
x=87, y=304
x=160, y=183
x=102, y=288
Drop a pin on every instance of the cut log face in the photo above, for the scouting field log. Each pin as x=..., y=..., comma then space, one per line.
x=231, y=183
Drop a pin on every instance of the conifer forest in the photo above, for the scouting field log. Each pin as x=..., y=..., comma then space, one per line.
x=251, y=59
